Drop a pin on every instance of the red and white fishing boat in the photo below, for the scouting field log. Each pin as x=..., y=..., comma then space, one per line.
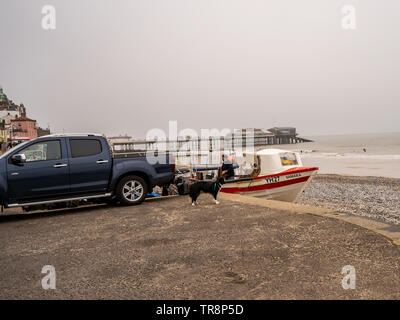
x=269, y=173
x=276, y=174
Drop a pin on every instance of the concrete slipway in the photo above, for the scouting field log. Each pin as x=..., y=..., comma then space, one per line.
x=244, y=248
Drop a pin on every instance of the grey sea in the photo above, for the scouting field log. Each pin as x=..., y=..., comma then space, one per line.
x=358, y=154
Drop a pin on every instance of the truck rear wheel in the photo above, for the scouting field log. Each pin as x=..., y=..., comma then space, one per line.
x=131, y=190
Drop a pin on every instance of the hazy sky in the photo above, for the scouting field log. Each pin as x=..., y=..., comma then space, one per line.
x=120, y=67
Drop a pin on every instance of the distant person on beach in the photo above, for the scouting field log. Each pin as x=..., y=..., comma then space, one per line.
x=227, y=168
x=365, y=150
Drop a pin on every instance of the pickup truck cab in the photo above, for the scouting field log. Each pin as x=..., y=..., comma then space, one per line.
x=64, y=168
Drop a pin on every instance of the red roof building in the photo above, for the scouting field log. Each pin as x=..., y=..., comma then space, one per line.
x=22, y=129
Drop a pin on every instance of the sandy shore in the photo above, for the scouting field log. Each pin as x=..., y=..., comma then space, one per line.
x=374, y=197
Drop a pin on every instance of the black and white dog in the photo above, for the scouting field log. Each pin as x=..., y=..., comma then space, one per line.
x=211, y=187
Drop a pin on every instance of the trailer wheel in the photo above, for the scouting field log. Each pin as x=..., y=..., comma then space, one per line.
x=131, y=190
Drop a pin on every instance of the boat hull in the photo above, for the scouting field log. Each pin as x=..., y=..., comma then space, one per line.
x=283, y=186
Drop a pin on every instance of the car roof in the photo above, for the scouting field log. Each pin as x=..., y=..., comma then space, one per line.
x=56, y=135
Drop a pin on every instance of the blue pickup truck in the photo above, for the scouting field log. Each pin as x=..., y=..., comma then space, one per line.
x=59, y=169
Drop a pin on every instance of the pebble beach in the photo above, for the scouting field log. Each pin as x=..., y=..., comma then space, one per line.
x=373, y=197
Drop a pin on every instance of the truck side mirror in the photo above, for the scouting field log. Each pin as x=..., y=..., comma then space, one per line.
x=18, y=158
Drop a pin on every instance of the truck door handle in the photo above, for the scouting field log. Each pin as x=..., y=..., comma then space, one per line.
x=101, y=161
x=60, y=165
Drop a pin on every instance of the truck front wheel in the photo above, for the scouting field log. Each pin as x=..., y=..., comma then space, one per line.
x=131, y=190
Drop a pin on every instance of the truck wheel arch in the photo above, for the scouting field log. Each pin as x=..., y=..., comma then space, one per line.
x=140, y=174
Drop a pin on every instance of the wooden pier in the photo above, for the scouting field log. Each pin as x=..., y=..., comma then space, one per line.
x=240, y=139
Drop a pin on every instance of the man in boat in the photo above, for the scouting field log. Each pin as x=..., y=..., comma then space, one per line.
x=227, y=168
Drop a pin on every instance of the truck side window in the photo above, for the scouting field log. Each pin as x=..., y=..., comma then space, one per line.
x=42, y=151
x=84, y=147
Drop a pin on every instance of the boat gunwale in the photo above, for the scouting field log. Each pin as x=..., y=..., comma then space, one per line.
x=288, y=171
